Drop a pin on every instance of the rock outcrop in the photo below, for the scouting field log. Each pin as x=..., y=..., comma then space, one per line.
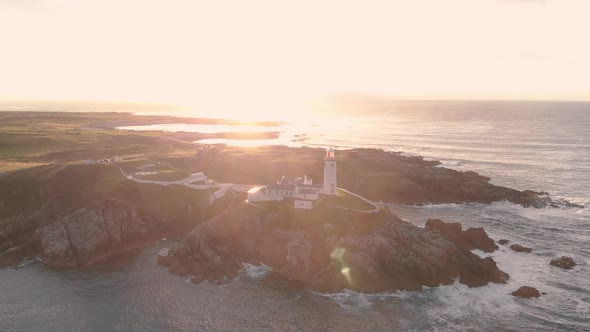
x=526, y=292
x=74, y=216
x=53, y=210
x=330, y=250
x=16, y=239
x=564, y=262
x=471, y=238
x=90, y=235
x=163, y=258
x=503, y=242
x=519, y=248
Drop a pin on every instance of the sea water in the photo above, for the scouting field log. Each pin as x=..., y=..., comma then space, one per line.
x=537, y=145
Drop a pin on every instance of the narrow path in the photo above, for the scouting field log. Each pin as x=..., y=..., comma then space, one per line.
x=375, y=210
x=185, y=182
x=196, y=177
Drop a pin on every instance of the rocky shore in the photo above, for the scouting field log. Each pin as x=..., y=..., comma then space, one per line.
x=376, y=174
x=329, y=250
x=73, y=216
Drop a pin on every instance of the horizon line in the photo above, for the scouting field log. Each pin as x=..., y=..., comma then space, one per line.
x=331, y=97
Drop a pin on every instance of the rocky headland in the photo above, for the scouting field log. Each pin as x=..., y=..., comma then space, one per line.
x=329, y=250
x=77, y=215
x=376, y=174
x=70, y=213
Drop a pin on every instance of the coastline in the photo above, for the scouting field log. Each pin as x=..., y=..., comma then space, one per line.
x=379, y=175
x=69, y=147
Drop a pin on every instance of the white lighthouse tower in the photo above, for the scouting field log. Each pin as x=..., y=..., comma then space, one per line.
x=330, y=172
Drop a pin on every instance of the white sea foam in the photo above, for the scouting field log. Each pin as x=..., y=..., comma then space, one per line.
x=255, y=271
x=353, y=300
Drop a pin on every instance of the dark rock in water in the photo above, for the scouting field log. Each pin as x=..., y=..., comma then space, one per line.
x=519, y=248
x=163, y=257
x=180, y=269
x=526, y=292
x=503, y=241
x=565, y=203
x=472, y=238
x=564, y=262
x=372, y=253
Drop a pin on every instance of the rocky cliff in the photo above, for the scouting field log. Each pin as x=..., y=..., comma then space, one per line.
x=74, y=216
x=471, y=238
x=329, y=250
x=55, y=210
x=89, y=235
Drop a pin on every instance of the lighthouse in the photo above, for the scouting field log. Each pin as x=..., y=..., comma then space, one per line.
x=330, y=172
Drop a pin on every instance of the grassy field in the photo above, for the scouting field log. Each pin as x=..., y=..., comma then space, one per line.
x=348, y=201
x=323, y=219
x=30, y=139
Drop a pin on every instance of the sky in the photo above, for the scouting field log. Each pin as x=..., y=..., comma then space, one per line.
x=261, y=54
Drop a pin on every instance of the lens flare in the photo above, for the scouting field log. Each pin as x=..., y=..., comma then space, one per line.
x=338, y=255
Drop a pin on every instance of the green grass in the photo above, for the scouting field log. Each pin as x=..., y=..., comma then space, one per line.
x=324, y=219
x=348, y=201
x=276, y=206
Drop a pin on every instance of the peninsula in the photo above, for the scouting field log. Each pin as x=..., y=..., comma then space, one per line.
x=74, y=191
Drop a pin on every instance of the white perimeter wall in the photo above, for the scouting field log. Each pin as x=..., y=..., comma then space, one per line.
x=306, y=205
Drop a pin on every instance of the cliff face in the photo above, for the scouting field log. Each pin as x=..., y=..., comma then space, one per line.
x=89, y=235
x=330, y=251
x=55, y=210
x=78, y=215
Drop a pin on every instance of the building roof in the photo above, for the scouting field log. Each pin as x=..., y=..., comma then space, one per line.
x=298, y=181
x=308, y=191
x=290, y=187
x=254, y=190
x=313, y=186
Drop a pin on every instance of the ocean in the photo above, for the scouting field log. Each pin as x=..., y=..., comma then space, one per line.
x=542, y=146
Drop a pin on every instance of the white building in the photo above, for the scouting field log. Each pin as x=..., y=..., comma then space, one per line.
x=302, y=190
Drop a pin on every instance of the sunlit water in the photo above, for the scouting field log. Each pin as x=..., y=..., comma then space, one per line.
x=541, y=146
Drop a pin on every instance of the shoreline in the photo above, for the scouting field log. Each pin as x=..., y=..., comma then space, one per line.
x=34, y=195
x=133, y=119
